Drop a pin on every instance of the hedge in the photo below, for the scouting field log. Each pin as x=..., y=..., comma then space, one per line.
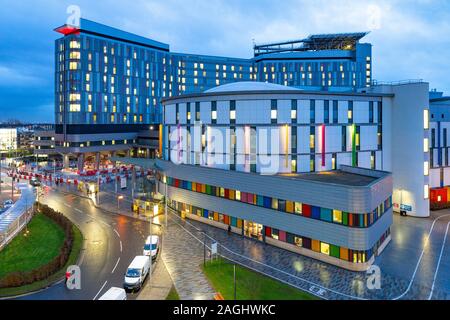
x=18, y=279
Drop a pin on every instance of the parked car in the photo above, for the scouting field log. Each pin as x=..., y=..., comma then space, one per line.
x=7, y=204
x=35, y=182
x=151, y=247
x=114, y=293
x=136, y=273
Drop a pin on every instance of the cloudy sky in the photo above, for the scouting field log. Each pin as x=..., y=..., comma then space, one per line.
x=410, y=37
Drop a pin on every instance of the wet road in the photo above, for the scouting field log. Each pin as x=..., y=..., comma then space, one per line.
x=111, y=242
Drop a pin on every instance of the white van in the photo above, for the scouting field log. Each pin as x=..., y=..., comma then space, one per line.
x=114, y=293
x=136, y=273
x=151, y=247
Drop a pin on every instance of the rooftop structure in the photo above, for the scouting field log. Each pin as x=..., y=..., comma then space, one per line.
x=337, y=41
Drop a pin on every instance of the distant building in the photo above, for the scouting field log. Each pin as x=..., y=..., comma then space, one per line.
x=8, y=139
x=439, y=141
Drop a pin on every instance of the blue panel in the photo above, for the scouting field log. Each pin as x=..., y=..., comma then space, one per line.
x=315, y=212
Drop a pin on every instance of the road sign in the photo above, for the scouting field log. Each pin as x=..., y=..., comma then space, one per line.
x=214, y=248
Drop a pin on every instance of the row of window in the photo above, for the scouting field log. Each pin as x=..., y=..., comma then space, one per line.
x=318, y=246
x=94, y=143
x=357, y=220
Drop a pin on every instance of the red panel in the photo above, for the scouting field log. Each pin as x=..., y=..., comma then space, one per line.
x=323, y=145
x=306, y=210
x=66, y=30
x=282, y=236
x=268, y=232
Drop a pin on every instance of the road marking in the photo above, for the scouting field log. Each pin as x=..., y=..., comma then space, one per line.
x=420, y=258
x=117, y=233
x=78, y=210
x=100, y=289
x=67, y=205
x=439, y=261
x=117, y=263
x=120, y=245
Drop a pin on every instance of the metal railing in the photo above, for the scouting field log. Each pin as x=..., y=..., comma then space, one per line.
x=18, y=216
x=15, y=227
x=396, y=83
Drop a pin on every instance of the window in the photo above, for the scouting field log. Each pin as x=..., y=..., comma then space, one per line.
x=298, y=208
x=337, y=216
x=325, y=248
x=293, y=114
x=426, y=120
x=238, y=195
x=298, y=241
x=273, y=114
x=426, y=146
x=426, y=191
x=426, y=168
x=233, y=115
x=274, y=204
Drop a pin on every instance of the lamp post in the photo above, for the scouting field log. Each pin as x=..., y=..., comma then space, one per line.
x=165, y=204
x=155, y=212
x=118, y=202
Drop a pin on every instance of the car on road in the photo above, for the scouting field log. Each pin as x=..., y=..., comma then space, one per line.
x=114, y=293
x=136, y=273
x=35, y=182
x=151, y=247
x=8, y=204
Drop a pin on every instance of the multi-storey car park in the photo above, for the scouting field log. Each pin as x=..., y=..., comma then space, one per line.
x=109, y=83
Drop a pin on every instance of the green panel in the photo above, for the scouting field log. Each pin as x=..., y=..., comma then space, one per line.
x=334, y=251
x=345, y=218
x=208, y=189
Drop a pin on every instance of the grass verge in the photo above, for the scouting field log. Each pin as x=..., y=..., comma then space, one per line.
x=250, y=284
x=173, y=294
x=73, y=258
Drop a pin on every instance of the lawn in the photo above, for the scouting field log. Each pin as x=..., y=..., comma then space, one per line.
x=250, y=285
x=40, y=246
x=173, y=294
x=36, y=227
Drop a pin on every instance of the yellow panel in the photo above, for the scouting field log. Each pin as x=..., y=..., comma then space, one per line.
x=290, y=206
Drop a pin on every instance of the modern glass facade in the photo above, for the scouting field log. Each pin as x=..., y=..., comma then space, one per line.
x=110, y=81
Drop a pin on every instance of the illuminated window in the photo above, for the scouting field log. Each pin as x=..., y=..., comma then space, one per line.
x=325, y=248
x=426, y=191
x=233, y=115
x=426, y=168
x=337, y=216
x=426, y=146
x=238, y=195
x=426, y=120
x=214, y=115
x=293, y=114
x=298, y=208
x=273, y=114
x=312, y=142
x=350, y=114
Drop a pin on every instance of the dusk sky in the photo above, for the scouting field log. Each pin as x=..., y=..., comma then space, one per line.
x=411, y=39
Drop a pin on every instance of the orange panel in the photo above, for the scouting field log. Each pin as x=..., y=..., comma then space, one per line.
x=316, y=245
x=344, y=253
x=232, y=194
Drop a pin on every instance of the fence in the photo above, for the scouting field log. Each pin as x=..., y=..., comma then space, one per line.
x=18, y=216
